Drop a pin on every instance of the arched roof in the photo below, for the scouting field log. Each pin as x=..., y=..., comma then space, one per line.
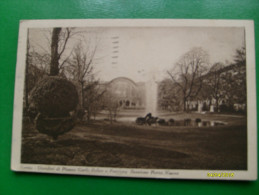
x=118, y=79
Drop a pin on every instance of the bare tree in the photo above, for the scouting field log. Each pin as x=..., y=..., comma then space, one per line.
x=80, y=67
x=54, y=63
x=188, y=74
x=111, y=104
x=93, y=98
x=58, y=45
x=35, y=69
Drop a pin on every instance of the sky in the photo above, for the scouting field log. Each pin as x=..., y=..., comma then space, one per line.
x=147, y=53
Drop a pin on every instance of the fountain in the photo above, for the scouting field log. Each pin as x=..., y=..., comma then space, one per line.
x=151, y=95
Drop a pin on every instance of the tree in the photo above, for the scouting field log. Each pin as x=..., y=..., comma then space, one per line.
x=228, y=83
x=188, y=74
x=240, y=77
x=167, y=96
x=111, y=104
x=54, y=98
x=39, y=64
x=235, y=80
x=35, y=69
x=229, y=89
x=93, y=98
x=240, y=56
x=58, y=45
x=80, y=67
x=215, y=83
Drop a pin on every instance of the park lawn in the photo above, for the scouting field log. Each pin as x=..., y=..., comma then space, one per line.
x=131, y=146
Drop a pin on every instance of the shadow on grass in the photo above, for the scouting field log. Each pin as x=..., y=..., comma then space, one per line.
x=129, y=146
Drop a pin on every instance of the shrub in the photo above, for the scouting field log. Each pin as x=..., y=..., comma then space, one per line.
x=171, y=121
x=162, y=122
x=197, y=120
x=54, y=96
x=226, y=108
x=54, y=126
x=187, y=121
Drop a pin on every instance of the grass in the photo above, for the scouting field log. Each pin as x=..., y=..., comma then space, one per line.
x=128, y=145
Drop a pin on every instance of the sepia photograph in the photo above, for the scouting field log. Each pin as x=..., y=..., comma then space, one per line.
x=136, y=98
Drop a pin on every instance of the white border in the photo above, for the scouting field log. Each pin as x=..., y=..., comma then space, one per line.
x=250, y=174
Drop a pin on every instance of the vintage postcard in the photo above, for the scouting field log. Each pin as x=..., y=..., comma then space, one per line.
x=158, y=98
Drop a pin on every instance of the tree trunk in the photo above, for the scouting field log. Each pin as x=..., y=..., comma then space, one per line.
x=88, y=114
x=82, y=95
x=54, y=63
x=217, y=104
x=184, y=104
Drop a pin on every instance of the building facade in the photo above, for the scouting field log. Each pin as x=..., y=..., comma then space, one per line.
x=130, y=95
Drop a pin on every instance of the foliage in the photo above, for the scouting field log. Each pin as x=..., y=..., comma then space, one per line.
x=169, y=97
x=54, y=126
x=54, y=96
x=215, y=84
x=234, y=80
x=240, y=56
